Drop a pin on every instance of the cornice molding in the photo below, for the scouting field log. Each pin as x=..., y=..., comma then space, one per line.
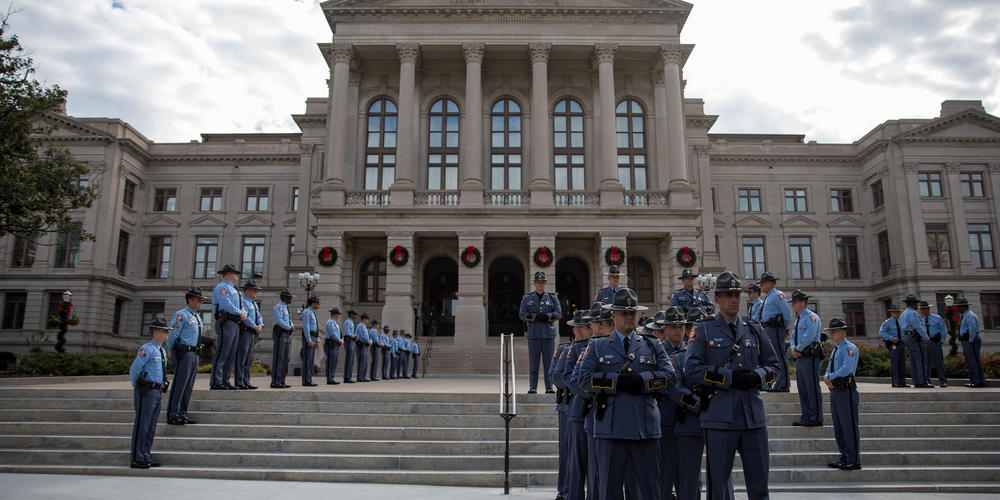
x=516, y=14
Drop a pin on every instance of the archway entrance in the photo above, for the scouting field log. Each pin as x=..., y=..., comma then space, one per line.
x=573, y=287
x=506, y=287
x=437, y=312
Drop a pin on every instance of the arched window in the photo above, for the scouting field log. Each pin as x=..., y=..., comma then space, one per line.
x=567, y=142
x=371, y=280
x=380, y=149
x=505, y=145
x=442, y=148
x=640, y=278
x=630, y=125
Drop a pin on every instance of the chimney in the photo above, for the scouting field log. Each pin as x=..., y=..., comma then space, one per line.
x=952, y=107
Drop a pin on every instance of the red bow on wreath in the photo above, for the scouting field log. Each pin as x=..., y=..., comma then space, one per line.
x=543, y=256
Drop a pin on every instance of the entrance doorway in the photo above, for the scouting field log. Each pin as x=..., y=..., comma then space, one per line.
x=506, y=287
x=437, y=312
x=573, y=287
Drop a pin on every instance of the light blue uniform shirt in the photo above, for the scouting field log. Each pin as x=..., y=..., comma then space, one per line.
x=405, y=344
x=935, y=326
x=348, y=329
x=361, y=332
x=911, y=320
x=888, y=329
x=333, y=330
x=185, y=328
x=150, y=362
x=805, y=330
x=226, y=298
x=773, y=304
x=414, y=348
x=843, y=361
x=394, y=345
x=281, y=316
x=254, y=318
x=310, y=328
x=373, y=335
x=755, y=309
x=970, y=325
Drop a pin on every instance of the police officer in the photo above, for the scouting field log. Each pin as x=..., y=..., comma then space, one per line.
x=310, y=338
x=628, y=370
x=668, y=328
x=184, y=341
x=687, y=297
x=331, y=344
x=576, y=437
x=375, y=344
x=938, y=333
x=414, y=355
x=362, y=340
x=229, y=313
x=250, y=328
x=404, y=353
x=601, y=325
x=281, y=335
x=386, y=351
x=732, y=360
x=148, y=373
x=606, y=294
x=541, y=310
x=916, y=340
x=558, y=360
x=892, y=335
x=350, y=344
x=839, y=378
x=775, y=315
x=807, y=349
x=972, y=344
x=753, y=293
x=394, y=355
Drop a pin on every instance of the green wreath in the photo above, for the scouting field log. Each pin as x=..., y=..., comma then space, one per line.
x=399, y=255
x=687, y=257
x=542, y=257
x=327, y=256
x=471, y=256
x=614, y=256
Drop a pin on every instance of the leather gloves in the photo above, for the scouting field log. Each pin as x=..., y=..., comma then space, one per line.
x=745, y=380
x=542, y=317
x=630, y=383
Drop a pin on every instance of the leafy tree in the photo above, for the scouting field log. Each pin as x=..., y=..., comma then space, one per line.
x=37, y=191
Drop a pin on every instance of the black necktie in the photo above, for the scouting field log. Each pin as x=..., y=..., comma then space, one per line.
x=163, y=362
x=732, y=328
x=833, y=360
x=899, y=336
x=796, y=336
x=626, y=344
x=927, y=326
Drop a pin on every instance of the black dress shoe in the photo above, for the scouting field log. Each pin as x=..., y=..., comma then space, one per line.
x=250, y=387
x=188, y=421
x=813, y=424
x=925, y=386
x=798, y=424
x=176, y=421
x=406, y=376
x=332, y=382
x=139, y=465
x=549, y=391
x=240, y=387
x=153, y=463
x=348, y=381
x=310, y=384
x=285, y=386
x=276, y=386
x=835, y=465
x=532, y=391
x=850, y=467
x=217, y=387
x=229, y=387
x=944, y=384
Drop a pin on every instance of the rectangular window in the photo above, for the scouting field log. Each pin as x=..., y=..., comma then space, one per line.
x=128, y=199
x=151, y=311
x=67, y=249
x=847, y=257
x=54, y=299
x=24, y=252
x=253, y=256
x=715, y=203
x=972, y=184
x=158, y=266
x=257, y=199
x=981, y=245
x=854, y=316
x=13, y=310
x=991, y=310
x=884, y=258
x=116, y=318
x=800, y=249
x=206, y=250
x=165, y=200
x=795, y=200
x=938, y=245
x=930, y=184
x=211, y=200
x=749, y=199
x=295, y=199
x=841, y=201
x=122, y=259
x=291, y=247
x=753, y=256
x=878, y=197
x=81, y=181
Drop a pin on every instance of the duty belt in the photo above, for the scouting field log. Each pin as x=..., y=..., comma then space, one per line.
x=185, y=348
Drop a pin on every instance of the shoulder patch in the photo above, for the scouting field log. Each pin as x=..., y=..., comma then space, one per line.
x=781, y=295
x=176, y=325
x=142, y=353
x=224, y=292
x=850, y=352
x=812, y=318
x=694, y=335
x=180, y=317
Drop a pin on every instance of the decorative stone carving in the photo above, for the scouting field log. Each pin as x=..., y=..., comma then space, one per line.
x=341, y=52
x=354, y=77
x=993, y=167
x=658, y=79
x=952, y=167
x=702, y=150
x=474, y=52
x=408, y=52
x=910, y=166
x=539, y=52
x=671, y=54
x=605, y=52
x=307, y=148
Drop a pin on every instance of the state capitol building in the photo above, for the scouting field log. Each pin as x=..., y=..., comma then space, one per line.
x=465, y=144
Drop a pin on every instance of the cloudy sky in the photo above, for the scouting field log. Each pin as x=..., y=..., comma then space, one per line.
x=829, y=70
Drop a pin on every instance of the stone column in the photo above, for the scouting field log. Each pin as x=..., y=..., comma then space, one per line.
x=611, y=189
x=541, y=133
x=993, y=172
x=472, y=138
x=470, y=318
x=398, y=308
x=672, y=269
x=406, y=138
x=300, y=257
x=914, y=231
x=680, y=189
x=961, y=252
x=660, y=110
x=536, y=240
x=340, y=55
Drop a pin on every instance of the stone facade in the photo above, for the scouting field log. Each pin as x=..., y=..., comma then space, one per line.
x=511, y=126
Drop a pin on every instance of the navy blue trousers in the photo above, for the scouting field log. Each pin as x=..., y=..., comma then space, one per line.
x=332, y=352
x=776, y=334
x=974, y=360
x=807, y=383
x=634, y=458
x=576, y=462
x=308, y=354
x=844, y=410
x=185, y=369
x=349, y=348
x=244, y=357
x=373, y=372
x=362, y=353
x=147, y=411
x=386, y=357
x=935, y=358
x=915, y=347
x=416, y=364
x=228, y=333
x=279, y=358
x=721, y=447
x=669, y=463
x=562, y=479
x=897, y=363
x=540, y=352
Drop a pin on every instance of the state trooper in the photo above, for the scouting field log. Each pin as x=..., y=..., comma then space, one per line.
x=937, y=330
x=331, y=344
x=229, y=313
x=687, y=297
x=375, y=346
x=668, y=329
x=310, y=338
x=394, y=355
x=606, y=294
x=807, y=349
x=362, y=341
x=601, y=325
x=730, y=358
x=414, y=355
x=775, y=316
x=350, y=344
x=972, y=344
x=541, y=310
x=753, y=293
x=626, y=371
x=915, y=338
x=839, y=378
x=576, y=437
x=404, y=353
x=386, y=351
x=148, y=374
x=281, y=335
x=892, y=335
x=558, y=360
x=250, y=329
x=184, y=340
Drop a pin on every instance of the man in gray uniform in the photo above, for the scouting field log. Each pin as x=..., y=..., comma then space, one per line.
x=541, y=310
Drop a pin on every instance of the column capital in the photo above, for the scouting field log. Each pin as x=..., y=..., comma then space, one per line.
x=605, y=52
x=952, y=167
x=474, y=52
x=671, y=54
x=408, y=52
x=659, y=79
x=539, y=52
x=341, y=53
x=993, y=167
x=702, y=150
x=910, y=166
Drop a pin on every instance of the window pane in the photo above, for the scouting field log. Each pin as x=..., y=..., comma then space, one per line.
x=388, y=177
x=497, y=179
x=515, y=139
x=576, y=139
x=451, y=178
x=497, y=140
x=576, y=123
x=578, y=179
x=515, y=179
x=560, y=140
x=434, y=178
x=371, y=178
x=561, y=178
x=498, y=124
x=452, y=140
x=390, y=140
x=623, y=178
x=621, y=124
x=640, y=178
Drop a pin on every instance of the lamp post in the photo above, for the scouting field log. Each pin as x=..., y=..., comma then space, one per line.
x=65, y=308
x=952, y=322
x=308, y=281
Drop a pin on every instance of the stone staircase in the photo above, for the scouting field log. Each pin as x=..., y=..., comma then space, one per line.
x=937, y=440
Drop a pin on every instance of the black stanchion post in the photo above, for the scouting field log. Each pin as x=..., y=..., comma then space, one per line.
x=508, y=408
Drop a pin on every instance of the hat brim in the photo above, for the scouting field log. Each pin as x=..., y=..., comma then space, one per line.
x=202, y=297
x=837, y=328
x=728, y=290
x=611, y=307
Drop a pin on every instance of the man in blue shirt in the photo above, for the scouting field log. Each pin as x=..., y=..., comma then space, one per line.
x=972, y=343
x=184, y=341
x=775, y=315
x=404, y=353
x=938, y=333
x=415, y=354
x=250, y=329
x=332, y=340
x=229, y=313
x=892, y=335
x=362, y=340
x=541, y=310
x=281, y=335
x=807, y=349
x=386, y=351
x=915, y=339
x=688, y=298
x=604, y=295
x=753, y=295
x=148, y=374
x=839, y=378
x=350, y=344
x=310, y=339
x=375, y=344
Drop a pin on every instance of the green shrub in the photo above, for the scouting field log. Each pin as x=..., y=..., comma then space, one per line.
x=63, y=364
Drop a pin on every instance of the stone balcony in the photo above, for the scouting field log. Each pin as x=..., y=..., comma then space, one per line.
x=563, y=199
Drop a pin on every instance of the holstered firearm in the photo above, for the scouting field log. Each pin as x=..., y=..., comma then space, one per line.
x=847, y=382
x=223, y=316
x=600, y=405
x=277, y=330
x=588, y=403
x=775, y=321
x=814, y=350
x=145, y=385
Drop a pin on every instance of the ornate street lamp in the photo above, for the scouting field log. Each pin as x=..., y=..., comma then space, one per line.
x=65, y=309
x=308, y=281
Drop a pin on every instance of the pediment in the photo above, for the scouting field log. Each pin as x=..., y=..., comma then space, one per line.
x=66, y=127
x=465, y=4
x=752, y=221
x=968, y=124
x=717, y=222
x=289, y=221
x=254, y=220
x=209, y=221
x=160, y=220
x=799, y=221
x=846, y=221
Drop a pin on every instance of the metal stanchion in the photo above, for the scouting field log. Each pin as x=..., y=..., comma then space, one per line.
x=508, y=403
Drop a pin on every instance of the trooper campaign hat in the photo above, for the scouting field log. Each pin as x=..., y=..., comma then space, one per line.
x=158, y=324
x=673, y=316
x=687, y=273
x=645, y=326
x=365, y=316
x=625, y=299
x=798, y=294
x=695, y=315
x=228, y=268
x=250, y=284
x=767, y=276
x=286, y=293
x=614, y=271
x=753, y=287
x=352, y=312
x=924, y=304
x=894, y=308
x=539, y=276
x=334, y=310
x=836, y=324
x=962, y=302
x=313, y=298
x=728, y=282
x=385, y=328
x=196, y=292
x=911, y=299
x=598, y=313
x=579, y=319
